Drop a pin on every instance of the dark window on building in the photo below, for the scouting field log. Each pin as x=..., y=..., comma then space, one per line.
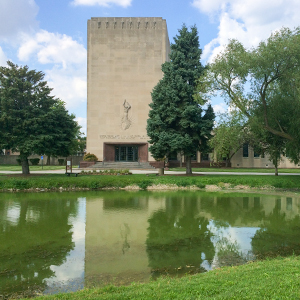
x=173, y=156
x=194, y=157
x=255, y=154
x=245, y=150
x=204, y=156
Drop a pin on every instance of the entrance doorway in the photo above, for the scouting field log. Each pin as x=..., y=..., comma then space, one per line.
x=126, y=153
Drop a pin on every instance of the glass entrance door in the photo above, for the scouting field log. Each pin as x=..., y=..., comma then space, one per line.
x=126, y=153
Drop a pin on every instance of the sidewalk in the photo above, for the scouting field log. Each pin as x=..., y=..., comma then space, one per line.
x=151, y=172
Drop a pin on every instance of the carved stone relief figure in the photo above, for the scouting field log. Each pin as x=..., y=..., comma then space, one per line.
x=126, y=122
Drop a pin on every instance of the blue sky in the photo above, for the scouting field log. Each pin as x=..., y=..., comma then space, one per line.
x=50, y=35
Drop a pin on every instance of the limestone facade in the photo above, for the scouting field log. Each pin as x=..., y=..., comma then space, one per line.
x=123, y=65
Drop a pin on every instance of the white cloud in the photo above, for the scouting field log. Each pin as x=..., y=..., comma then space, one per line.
x=248, y=21
x=52, y=48
x=3, y=58
x=67, y=76
x=123, y=3
x=68, y=84
x=15, y=17
x=220, y=108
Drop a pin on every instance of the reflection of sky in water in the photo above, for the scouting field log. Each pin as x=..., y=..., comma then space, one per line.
x=239, y=236
x=70, y=275
x=121, y=226
x=13, y=213
x=243, y=236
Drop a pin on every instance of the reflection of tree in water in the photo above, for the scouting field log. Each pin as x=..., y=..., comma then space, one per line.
x=278, y=237
x=228, y=210
x=125, y=232
x=39, y=237
x=228, y=253
x=178, y=240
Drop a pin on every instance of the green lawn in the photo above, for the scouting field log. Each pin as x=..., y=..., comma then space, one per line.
x=254, y=170
x=271, y=279
x=32, y=168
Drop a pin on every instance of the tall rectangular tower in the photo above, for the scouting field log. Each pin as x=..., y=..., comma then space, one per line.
x=124, y=64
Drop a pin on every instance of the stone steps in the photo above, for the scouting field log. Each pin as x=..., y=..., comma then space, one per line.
x=116, y=165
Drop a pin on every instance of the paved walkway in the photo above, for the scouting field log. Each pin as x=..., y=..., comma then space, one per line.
x=152, y=172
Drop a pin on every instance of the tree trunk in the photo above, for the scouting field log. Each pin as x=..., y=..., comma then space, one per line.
x=188, y=165
x=25, y=164
x=48, y=160
x=227, y=161
x=276, y=170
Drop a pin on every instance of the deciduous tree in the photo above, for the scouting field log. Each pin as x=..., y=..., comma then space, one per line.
x=31, y=120
x=229, y=135
x=263, y=83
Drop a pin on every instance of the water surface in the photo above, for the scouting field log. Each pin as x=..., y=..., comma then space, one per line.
x=59, y=242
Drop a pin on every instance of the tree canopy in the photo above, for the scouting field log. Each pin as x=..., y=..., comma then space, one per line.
x=31, y=120
x=229, y=134
x=263, y=83
x=177, y=123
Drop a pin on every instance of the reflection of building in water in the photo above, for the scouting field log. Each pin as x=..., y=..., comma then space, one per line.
x=134, y=238
x=116, y=232
x=252, y=209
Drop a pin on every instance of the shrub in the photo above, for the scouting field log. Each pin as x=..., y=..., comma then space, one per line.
x=90, y=157
x=94, y=185
x=143, y=184
x=19, y=161
x=34, y=161
x=61, y=161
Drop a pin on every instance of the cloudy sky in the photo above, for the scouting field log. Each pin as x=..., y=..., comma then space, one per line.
x=50, y=35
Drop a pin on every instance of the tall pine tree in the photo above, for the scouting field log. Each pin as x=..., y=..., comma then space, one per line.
x=177, y=123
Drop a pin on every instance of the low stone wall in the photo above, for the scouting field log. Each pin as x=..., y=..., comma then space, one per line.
x=12, y=160
x=86, y=164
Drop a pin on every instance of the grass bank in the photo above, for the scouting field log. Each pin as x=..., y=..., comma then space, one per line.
x=143, y=181
x=271, y=279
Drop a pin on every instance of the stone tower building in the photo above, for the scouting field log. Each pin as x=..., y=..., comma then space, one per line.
x=124, y=64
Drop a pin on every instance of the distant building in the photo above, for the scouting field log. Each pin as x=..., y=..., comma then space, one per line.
x=247, y=158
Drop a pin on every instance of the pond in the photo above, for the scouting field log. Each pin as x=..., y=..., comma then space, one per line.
x=60, y=242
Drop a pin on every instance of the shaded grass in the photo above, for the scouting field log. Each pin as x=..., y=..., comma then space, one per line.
x=55, y=181
x=271, y=279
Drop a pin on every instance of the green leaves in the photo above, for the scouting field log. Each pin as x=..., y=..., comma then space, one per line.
x=31, y=120
x=263, y=83
x=176, y=123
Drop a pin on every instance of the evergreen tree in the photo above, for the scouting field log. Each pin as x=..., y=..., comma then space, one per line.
x=177, y=123
x=31, y=120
